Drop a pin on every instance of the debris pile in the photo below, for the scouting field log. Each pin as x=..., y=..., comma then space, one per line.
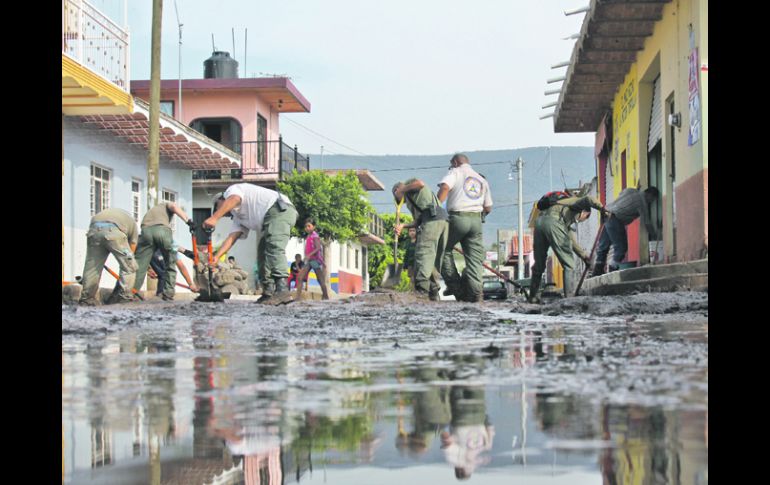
x=229, y=278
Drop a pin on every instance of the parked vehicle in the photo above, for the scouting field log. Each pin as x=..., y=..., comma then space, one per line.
x=495, y=290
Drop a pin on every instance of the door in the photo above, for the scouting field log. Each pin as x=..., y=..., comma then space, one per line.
x=671, y=166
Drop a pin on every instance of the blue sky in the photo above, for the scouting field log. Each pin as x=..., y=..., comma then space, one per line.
x=383, y=77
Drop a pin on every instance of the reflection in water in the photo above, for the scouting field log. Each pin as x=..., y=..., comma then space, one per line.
x=206, y=407
x=471, y=434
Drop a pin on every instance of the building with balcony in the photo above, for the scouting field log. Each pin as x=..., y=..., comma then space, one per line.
x=240, y=114
x=243, y=116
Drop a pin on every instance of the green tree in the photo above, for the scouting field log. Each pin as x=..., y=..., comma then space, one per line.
x=339, y=205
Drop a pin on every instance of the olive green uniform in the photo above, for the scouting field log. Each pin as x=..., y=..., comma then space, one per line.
x=157, y=234
x=432, y=228
x=110, y=232
x=467, y=198
x=271, y=251
x=552, y=229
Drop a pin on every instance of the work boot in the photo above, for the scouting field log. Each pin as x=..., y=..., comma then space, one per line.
x=267, y=292
x=281, y=294
x=534, y=290
x=433, y=296
x=421, y=295
x=598, y=270
x=612, y=268
x=570, y=282
x=89, y=302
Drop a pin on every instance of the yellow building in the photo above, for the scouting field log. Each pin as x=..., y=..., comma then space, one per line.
x=638, y=77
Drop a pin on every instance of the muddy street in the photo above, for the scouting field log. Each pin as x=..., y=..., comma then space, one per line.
x=586, y=390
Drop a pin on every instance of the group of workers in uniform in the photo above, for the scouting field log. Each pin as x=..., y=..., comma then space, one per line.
x=468, y=200
x=438, y=230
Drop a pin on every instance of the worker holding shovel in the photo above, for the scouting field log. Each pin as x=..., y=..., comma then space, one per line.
x=112, y=231
x=157, y=235
x=552, y=229
x=430, y=220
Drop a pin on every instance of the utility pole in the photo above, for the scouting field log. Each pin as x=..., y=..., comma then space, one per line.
x=322, y=157
x=180, y=24
x=153, y=158
x=520, y=170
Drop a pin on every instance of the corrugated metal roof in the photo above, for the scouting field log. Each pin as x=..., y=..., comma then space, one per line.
x=613, y=32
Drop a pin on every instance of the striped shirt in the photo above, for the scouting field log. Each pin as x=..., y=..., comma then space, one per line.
x=629, y=205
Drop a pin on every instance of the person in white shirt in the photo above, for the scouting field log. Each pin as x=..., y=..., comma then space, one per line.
x=467, y=197
x=272, y=215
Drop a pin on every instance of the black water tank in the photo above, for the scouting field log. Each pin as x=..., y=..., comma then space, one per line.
x=220, y=65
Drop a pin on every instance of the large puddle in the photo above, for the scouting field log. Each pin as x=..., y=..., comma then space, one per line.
x=355, y=394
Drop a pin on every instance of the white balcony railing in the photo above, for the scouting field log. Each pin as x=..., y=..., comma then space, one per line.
x=93, y=40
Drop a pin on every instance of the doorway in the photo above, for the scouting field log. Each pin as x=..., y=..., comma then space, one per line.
x=671, y=182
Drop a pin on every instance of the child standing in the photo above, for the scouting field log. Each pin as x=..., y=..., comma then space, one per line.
x=313, y=259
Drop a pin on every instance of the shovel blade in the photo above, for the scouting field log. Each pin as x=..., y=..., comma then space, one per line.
x=392, y=276
x=213, y=296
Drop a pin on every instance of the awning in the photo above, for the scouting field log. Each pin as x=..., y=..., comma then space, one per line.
x=180, y=145
x=612, y=34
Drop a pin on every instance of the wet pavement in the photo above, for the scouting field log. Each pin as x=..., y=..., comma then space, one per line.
x=380, y=393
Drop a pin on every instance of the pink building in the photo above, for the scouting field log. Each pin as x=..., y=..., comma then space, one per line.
x=241, y=114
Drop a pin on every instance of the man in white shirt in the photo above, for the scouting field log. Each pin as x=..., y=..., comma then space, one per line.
x=467, y=196
x=269, y=213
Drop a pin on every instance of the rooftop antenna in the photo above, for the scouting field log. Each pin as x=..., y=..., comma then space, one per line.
x=245, y=45
x=180, y=24
x=213, y=47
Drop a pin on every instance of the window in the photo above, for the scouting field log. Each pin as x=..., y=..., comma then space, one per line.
x=167, y=107
x=136, y=201
x=226, y=131
x=356, y=258
x=170, y=196
x=100, y=189
x=343, y=252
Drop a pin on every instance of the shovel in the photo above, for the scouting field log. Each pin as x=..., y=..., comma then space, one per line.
x=117, y=277
x=500, y=275
x=392, y=276
x=211, y=293
x=585, y=271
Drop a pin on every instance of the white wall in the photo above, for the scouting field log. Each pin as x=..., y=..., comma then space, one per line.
x=84, y=146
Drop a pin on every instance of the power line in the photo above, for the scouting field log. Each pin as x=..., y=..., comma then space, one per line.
x=325, y=137
x=436, y=166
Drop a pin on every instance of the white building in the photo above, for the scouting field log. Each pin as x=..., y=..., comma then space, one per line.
x=105, y=165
